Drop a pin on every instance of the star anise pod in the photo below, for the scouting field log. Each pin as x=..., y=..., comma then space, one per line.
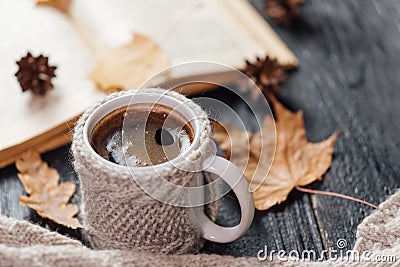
x=35, y=74
x=283, y=11
x=267, y=74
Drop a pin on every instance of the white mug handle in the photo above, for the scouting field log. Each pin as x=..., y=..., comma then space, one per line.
x=235, y=179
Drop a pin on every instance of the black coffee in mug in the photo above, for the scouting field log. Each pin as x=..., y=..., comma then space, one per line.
x=142, y=135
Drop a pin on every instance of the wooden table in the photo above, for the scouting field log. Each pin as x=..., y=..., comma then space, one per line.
x=348, y=80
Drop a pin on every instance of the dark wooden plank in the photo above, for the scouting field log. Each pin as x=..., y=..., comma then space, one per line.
x=348, y=80
x=10, y=189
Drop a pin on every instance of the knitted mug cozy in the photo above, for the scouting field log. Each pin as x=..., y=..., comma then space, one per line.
x=118, y=214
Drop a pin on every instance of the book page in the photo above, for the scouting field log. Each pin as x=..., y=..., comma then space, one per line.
x=222, y=31
x=41, y=30
x=195, y=30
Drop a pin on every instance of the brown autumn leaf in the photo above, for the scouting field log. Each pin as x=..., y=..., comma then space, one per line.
x=296, y=161
x=235, y=145
x=62, y=5
x=262, y=151
x=232, y=140
x=128, y=66
x=46, y=196
x=245, y=149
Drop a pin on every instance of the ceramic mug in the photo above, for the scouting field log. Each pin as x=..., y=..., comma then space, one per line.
x=106, y=186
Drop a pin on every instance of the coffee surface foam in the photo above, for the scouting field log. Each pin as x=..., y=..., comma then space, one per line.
x=142, y=135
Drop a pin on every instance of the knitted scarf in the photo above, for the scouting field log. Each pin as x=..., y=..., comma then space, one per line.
x=25, y=244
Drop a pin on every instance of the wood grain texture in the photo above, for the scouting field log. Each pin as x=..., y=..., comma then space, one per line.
x=348, y=80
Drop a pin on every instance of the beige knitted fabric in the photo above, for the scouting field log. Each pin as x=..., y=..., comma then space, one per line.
x=118, y=214
x=21, y=233
x=381, y=230
x=23, y=244
x=379, y=235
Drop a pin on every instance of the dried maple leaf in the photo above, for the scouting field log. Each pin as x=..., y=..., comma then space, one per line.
x=262, y=151
x=235, y=145
x=296, y=163
x=46, y=195
x=251, y=153
x=127, y=67
x=233, y=141
x=62, y=5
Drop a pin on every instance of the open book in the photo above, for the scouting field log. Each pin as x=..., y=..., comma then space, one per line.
x=223, y=31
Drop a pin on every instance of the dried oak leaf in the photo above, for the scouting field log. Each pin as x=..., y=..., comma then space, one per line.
x=283, y=11
x=296, y=163
x=129, y=66
x=62, y=5
x=46, y=196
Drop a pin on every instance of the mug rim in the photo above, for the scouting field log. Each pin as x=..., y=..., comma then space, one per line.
x=125, y=101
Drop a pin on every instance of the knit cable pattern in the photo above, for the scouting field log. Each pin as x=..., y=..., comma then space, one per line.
x=118, y=214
